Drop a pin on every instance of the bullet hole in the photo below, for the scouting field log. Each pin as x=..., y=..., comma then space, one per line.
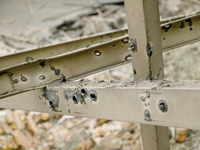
x=147, y=115
x=167, y=27
x=128, y=57
x=134, y=71
x=143, y=98
x=113, y=45
x=162, y=106
x=57, y=71
x=97, y=53
x=125, y=40
x=190, y=29
x=28, y=59
x=68, y=110
x=149, y=49
x=131, y=47
x=75, y=99
x=53, y=99
x=42, y=64
x=93, y=95
x=163, y=38
x=15, y=81
x=83, y=92
x=189, y=22
x=182, y=25
x=42, y=77
x=147, y=94
x=24, y=79
x=87, y=45
x=52, y=68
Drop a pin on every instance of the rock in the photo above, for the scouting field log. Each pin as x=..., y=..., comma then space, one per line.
x=101, y=121
x=45, y=116
x=31, y=125
x=7, y=142
x=115, y=144
x=132, y=128
x=126, y=143
x=138, y=146
x=19, y=119
x=181, y=138
x=127, y=135
x=182, y=131
x=90, y=143
x=7, y=128
x=136, y=136
x=100, y=132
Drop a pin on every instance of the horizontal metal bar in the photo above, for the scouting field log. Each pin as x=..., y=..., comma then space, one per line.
x=80, y=58
x=162, y=103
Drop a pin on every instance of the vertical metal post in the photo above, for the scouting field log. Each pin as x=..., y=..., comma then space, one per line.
x=145, y=37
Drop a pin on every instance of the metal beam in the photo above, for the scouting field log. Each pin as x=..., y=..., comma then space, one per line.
x=73, y=53
x=174, y=35
x=146, y=50
x=136, y=101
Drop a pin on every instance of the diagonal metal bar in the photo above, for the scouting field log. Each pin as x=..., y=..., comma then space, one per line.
x=173, y=33
x=68, y=57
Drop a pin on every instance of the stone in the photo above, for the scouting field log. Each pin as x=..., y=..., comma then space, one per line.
x=126, y=143
x=100, y=132
x=115, y=144
x=138, y=146
x=45, y=116
x=7, y=128
x=132, y=128
x=31, y=125
x=136, y=136
x=90, y=143
x=127, y=135
x=181, y=138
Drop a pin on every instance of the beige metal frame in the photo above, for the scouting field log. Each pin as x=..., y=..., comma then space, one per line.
x=145, y=36
x=34, y=77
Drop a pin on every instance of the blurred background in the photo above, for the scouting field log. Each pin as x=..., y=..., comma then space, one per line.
x=30, y=23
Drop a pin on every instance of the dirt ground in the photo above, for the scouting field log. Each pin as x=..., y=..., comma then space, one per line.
x=26, y=24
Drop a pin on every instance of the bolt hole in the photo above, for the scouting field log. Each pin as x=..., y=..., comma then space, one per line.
x=97, y=53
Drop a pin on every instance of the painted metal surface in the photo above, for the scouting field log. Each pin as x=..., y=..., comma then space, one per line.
x=145, y=36
x=116, y=102
x=171, y=38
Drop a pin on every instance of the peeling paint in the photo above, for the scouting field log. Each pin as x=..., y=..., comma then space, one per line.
x=53, y=99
